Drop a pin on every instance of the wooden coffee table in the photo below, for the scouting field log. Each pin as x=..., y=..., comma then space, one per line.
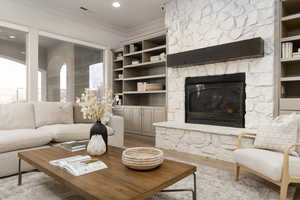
x=117, y=182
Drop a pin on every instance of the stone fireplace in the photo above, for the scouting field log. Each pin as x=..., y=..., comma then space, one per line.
x=199, y=24
x=216, y=100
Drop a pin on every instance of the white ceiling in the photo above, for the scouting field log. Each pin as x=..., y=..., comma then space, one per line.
x=131, y=14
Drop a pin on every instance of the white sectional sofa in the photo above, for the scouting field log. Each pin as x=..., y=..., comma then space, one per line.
x=40, y=125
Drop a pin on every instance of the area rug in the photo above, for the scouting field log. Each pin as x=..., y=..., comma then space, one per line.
x=213, y=184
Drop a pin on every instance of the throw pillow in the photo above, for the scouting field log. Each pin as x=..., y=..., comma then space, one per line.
x=279, y=134
x=48, y=113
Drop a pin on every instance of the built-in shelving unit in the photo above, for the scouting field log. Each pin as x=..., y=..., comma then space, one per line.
x=118, y=58
x=290, y=60
x=143, y=61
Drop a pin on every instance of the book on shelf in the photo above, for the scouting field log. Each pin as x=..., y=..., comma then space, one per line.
x=79, y=165
x=287, y=50
x=74, y=146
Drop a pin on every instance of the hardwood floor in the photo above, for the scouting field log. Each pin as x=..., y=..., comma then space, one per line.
x=136, y=141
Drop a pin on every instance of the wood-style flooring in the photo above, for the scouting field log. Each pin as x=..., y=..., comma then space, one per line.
x=138, y=141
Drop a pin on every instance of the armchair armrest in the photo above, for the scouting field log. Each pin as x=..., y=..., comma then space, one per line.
x=241, y=136
x=285, y=166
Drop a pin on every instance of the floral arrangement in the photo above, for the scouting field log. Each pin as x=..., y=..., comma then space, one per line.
x=95, y=107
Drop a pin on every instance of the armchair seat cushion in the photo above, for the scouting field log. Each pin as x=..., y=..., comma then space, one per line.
x=268, y=163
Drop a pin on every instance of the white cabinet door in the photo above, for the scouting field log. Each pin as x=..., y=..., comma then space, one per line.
x=159, y=115
x=152, y=115
x=133, y=119
x=118, y=111
x=147, y=120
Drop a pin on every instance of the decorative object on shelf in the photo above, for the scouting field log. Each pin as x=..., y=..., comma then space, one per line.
x=117, y=100
x=153, y=86
x=141, y=86
x=142, y=158
x=119, y=56
x=98, y=109
x=134, y=62
x=120, y=76
x=163, y=56
x=132, y=48
x=155, y=58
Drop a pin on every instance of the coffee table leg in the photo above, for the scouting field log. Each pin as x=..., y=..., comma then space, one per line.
x=20, y=173
x=194, y=190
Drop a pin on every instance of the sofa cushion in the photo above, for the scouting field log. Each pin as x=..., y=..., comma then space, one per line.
x=47, y=113
x=67, y=132
x=268, y=163
x=16, y=116
x=12, y=140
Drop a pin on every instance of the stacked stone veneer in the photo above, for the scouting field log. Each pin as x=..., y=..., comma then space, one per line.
x=194, y=24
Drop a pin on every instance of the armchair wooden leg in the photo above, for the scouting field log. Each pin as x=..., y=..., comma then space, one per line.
x=237, y=172
x=283, y=190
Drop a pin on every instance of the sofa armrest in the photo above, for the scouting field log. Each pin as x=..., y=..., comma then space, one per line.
x=117, y=124
x=241, y=136
x=285, y=166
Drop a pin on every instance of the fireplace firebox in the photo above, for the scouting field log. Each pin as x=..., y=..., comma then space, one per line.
x=216, y=100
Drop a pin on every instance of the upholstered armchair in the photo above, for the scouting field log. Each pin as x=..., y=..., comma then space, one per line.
x=276, y=167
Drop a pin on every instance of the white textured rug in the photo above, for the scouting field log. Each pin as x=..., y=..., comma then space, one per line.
x=213, y=184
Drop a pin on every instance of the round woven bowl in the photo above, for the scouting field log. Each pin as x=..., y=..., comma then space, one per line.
x=142, y=158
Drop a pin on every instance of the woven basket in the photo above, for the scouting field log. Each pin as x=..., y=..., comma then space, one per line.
x=142, y=158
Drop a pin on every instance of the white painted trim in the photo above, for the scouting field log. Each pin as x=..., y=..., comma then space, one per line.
x=71, y=40
x=14, y=26
x=13, y=59
x=145, y=36
x=32, y=58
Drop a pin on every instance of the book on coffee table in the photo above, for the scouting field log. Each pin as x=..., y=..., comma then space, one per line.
x=74, y=146
x=79, y=165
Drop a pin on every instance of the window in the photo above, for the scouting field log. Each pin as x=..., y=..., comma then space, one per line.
x=13, y=70
x=70, y=68
x=96, y=76
x=12, y=81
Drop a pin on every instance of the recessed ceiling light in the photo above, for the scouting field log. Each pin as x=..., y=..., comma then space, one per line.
x=22, y=52
x=11, y=37
x=116, y=4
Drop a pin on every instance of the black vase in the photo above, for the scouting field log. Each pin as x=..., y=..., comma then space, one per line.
x=99, y=129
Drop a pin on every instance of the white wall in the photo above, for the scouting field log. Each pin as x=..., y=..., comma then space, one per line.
x=203, y=23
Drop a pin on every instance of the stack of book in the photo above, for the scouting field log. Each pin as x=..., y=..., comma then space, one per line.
x=287, y=50
x=75, y=145
x=296, y=54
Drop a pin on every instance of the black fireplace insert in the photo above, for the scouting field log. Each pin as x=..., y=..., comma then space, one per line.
x=216, y=100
